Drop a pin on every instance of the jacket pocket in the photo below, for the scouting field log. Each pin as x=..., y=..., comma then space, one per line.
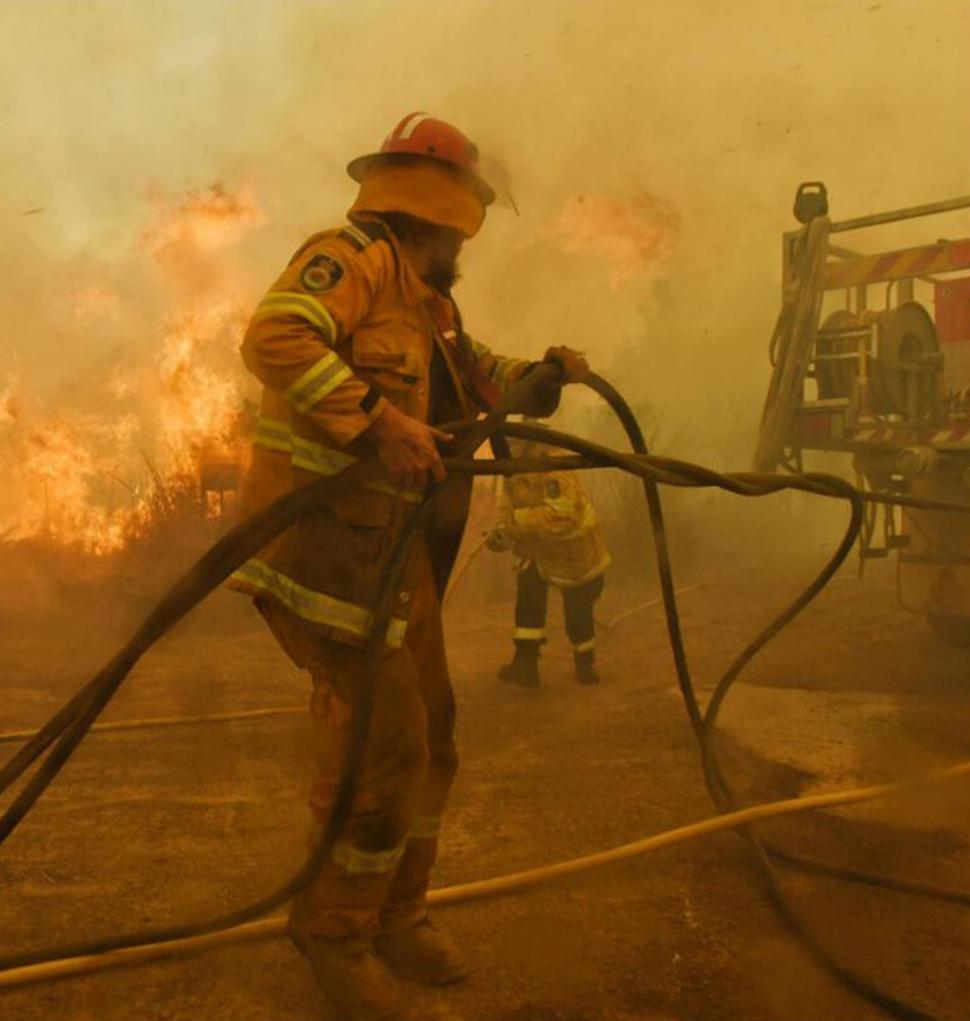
x=391, y=364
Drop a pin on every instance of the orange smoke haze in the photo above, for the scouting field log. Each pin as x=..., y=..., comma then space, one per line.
x=9, y=405
x=94, y=302
x=632, y=236
x=652, y=150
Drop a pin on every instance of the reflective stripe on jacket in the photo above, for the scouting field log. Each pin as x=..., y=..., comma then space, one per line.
x=347, y=327
x=552, y=523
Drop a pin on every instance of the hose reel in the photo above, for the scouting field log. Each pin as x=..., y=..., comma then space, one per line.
x=902, y=362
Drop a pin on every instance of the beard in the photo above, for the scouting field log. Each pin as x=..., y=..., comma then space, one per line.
x=442, y=275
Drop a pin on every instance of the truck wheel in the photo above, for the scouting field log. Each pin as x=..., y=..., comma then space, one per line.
x=952, y=630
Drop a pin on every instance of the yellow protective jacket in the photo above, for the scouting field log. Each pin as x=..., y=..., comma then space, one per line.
x=552, y=523
x=347, y=327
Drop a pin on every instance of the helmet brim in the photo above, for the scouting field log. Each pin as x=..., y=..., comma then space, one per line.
x=356, y=168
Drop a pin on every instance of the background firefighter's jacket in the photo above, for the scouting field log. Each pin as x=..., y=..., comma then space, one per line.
x=347, y=327
x=550, y=521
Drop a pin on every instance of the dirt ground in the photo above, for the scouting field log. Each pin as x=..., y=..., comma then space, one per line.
x=152, y=827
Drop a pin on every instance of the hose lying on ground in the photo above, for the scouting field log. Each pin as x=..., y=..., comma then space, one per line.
x=66, y=729
x=69, y=967
x=151, y=722
x=252, y=715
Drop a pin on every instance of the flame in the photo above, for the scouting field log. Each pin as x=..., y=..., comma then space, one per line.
x=64, y=466
x=198, y=406
x=97, y=480
x=632, y=235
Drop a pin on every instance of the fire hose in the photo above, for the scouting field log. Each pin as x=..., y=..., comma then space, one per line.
x=463, y=893
x=13, y=736
x=60, y=736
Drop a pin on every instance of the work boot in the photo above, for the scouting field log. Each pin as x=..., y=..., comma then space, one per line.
x=524, y=668
x=355, y=981
x=420, y=953
x=585, y=669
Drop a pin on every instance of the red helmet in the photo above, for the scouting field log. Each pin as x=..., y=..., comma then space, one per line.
x=421, y=135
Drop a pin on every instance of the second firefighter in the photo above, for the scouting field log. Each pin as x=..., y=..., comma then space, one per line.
x=547, y=519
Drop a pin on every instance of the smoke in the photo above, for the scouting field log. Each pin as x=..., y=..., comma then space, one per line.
x=652, y=151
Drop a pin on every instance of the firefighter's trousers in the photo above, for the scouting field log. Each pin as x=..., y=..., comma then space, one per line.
x=378, y=874
x=531, y=600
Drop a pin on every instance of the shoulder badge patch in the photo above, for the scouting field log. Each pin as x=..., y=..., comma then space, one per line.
x=321, y=273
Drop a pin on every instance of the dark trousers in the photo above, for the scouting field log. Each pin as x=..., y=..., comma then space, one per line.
x=578, y=601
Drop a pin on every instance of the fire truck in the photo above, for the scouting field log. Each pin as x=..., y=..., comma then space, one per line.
x=871, y=358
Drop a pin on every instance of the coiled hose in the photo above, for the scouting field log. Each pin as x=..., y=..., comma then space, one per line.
x=61, y=735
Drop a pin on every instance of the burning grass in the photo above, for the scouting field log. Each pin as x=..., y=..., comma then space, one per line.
x=129, y=451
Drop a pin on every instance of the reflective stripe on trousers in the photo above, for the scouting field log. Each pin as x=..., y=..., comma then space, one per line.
x=382, y=862
x=531, y=600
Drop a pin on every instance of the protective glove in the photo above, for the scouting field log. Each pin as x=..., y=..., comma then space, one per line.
x=498, y=541
x=575, y=368
x=406, y=447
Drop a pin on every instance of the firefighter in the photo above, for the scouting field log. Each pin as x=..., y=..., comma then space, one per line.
x=550, y=524
x=360, y=350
